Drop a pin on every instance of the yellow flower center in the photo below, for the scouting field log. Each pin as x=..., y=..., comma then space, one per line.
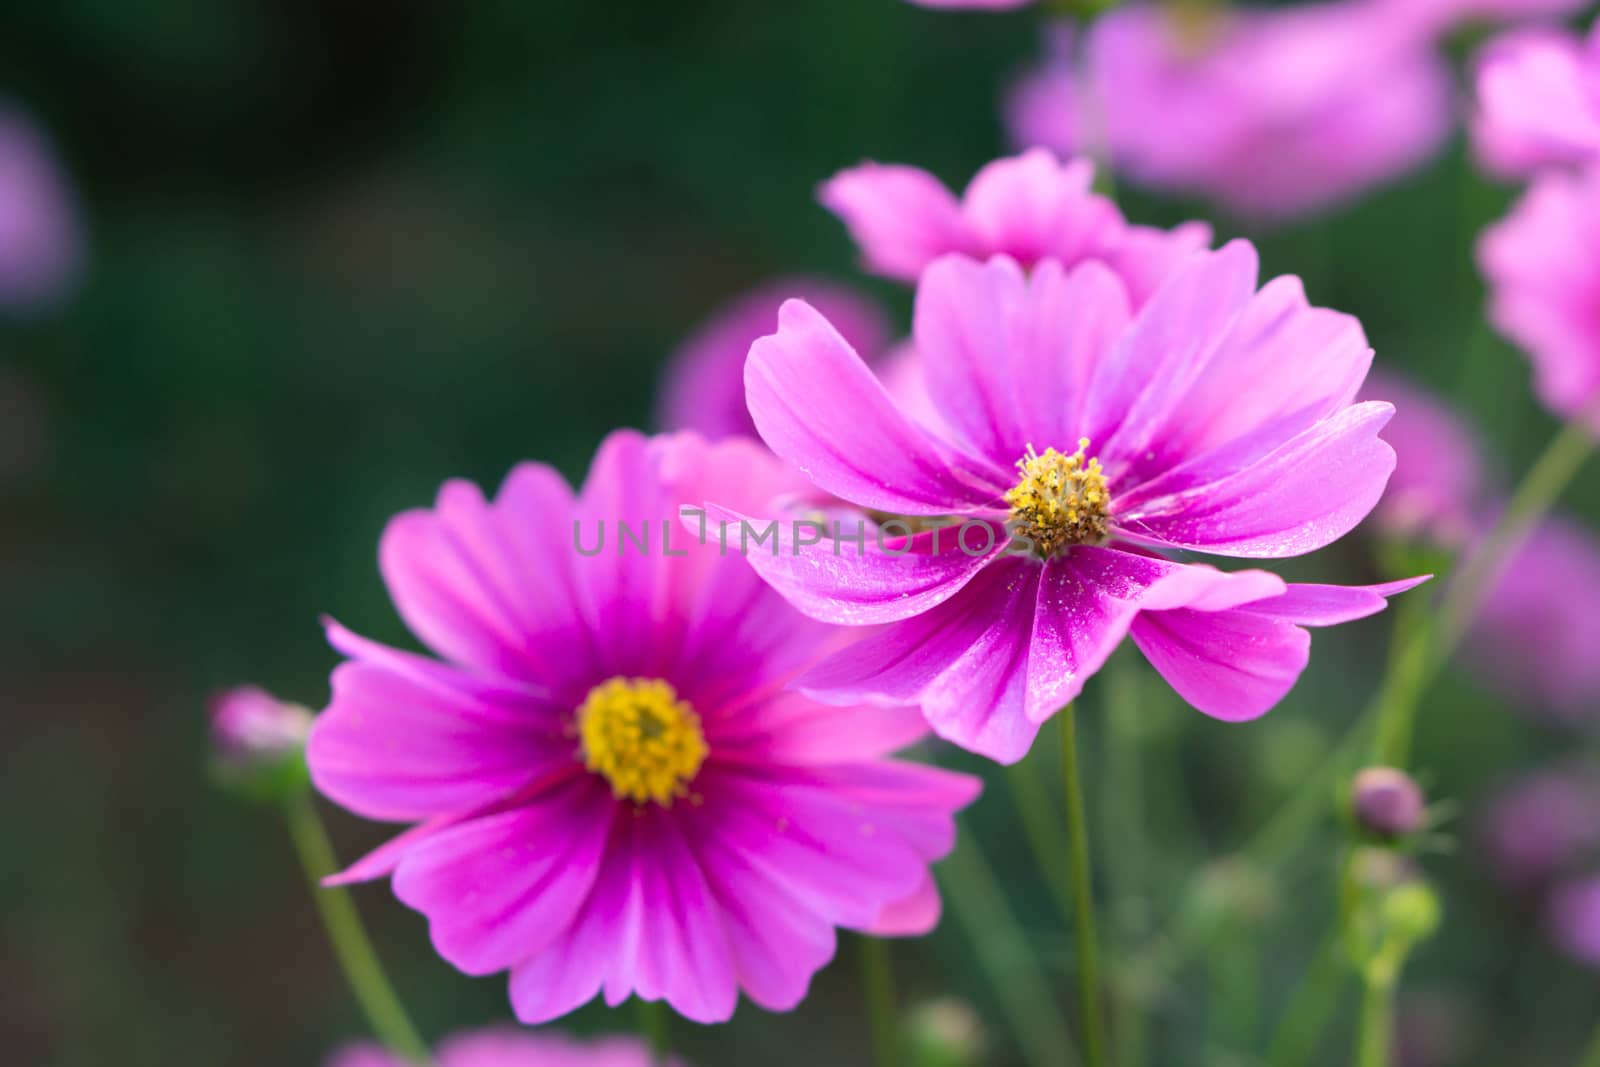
x=644, y=740
x=1059, y=500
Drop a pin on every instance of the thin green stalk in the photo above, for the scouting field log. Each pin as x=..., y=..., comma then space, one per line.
x=1005, y=955
x=654, y=1026
x=1045, y=835
x=877, y=981
x=1094, y=1042
x=1312, y=1006
x=385, y=1014
x=1591, y=1058
x=1125, y=865
x=1403, y=682
x=1375, y=1036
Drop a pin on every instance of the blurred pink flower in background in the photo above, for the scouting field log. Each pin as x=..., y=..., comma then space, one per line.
x=1544, y=287
x=1538, y=101
x=506, y=1047
x=1029, y=207
x=613, y=789
x=702, y=388
x=40, y=240
x=1225, y=420
x=1538, y=632
x=1437, y=490
x=1271, y=114
x=1535, y=828
x=1574, y=919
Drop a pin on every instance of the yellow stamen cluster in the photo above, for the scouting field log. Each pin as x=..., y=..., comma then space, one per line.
x=644, y=740
x=1059, y=500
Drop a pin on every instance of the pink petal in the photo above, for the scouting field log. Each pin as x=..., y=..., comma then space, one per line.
x=459, y=578
x=964, y=662
x=498, y=890
x=1006, y=357
x=1298, y=497
x=703, y=388
x=405, y=738
x=1330, y=605
x=1031, y=206
x=912, y=917
x=901, y=217
x=836, y=582
x=1232, y=665
x=1157, y=359
x=816, y=405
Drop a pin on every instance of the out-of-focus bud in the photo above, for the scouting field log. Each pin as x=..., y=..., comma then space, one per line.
x=1412, y=912
x=1378, y=870
x=1386, y=801
x=945, y=1033
x=258, y=742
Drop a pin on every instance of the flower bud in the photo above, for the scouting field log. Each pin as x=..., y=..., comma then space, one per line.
x=1412, y=912
x=1386, y=801
x=258, y=741
x=945, y=1033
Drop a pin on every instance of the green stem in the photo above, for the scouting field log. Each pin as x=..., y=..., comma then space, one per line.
x=1005, y=955
x=1312, y=1005
x=1376, y=1034
x=654, y=1020
x=1399, y=696
x=1545, y=481
x=1125, y=866
x=1045, y=835
x=1083, y=893
x=385, y=1014
x=877, y=980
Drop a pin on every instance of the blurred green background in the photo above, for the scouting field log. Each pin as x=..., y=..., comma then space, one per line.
x=342, y=251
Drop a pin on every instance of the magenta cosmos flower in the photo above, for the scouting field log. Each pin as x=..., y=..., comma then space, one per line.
x=1538, y=101
x=1574, y=919
x=1029, y=207
x=499, y=1047
x=1537, y=633
x=1217, y=418
x=1538, y=827
x=40, y=243
x=615, y=791
x=703, y=388
x=1438, y=489
x=1544, y=288
x=1270, y=113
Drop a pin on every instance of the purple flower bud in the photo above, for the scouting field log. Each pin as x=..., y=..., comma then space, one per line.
x=252, y=729
x=1386, y=801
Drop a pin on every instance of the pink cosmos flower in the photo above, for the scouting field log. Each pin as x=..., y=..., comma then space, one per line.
x=1217, y=419
x=1537, y=635
x=1438, y=18
x=1537, y=827
x=1438, y=486
x=40, y=243
x=1538, y=102
x=1029, y=207
x=703, y=388
x=501, y=1047
x=1544, y=288
x=1574, y=919
x=1270, y=113
x=613, y=787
